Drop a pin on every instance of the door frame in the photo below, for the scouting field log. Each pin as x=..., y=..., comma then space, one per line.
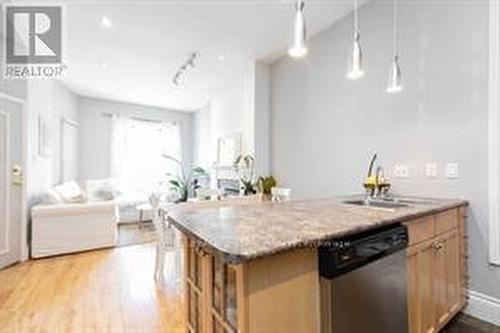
x=24, y=250
x=6, y=250
x=494, y=132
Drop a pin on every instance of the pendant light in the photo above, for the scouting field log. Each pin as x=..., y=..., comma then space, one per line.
x=355, y=58
x=394, y=85
x=299, y=48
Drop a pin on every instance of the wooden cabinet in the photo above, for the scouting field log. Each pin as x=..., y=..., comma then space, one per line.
x=420, y=288
x=224, y=304
x=283, y=293
x=435, y=271
x=210, y=291
x=195, y=289
x=269, y=295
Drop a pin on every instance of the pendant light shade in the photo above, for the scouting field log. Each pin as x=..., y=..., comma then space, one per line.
x=355, y=70
x=395, y=80
x=355, y=60
x=299, y=48
x=395, y=85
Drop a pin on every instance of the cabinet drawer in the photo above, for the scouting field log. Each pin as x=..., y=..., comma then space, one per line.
x=420, y=230
x=446, y=221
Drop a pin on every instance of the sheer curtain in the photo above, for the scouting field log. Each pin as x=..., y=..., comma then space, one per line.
x=137, y=147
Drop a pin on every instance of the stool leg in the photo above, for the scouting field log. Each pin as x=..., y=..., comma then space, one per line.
x=160, y=262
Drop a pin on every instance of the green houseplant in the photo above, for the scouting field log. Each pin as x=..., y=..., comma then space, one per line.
x=265, y=184
x=244, y=166
x=182, y=183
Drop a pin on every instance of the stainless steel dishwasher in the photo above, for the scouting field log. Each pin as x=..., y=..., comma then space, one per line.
x=367, y=276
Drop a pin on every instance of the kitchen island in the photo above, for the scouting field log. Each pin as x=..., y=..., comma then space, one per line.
x=254, y=267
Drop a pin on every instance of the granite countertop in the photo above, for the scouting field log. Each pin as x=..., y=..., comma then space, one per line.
x=255, y=230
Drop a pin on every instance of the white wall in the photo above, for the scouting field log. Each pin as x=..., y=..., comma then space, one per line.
x=325, y=127
x=95, y=141
x=203, y=152
x=242, y=106
x=232, y=110
x=53, y=100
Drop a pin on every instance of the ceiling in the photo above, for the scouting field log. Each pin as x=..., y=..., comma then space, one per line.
x=135, y=58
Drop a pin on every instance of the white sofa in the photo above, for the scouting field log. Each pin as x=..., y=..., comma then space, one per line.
x=73, y=227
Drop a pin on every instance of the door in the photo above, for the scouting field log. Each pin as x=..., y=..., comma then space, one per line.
x=11, y=192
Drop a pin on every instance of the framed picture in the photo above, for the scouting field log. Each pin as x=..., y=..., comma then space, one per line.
x=228, y=149
x=44, y=136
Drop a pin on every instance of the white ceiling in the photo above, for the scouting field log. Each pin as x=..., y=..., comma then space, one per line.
x=149, y=40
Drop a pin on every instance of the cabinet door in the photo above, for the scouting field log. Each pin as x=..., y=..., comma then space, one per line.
x=195, y=288
x=447, y=281
x=224, y=304
x=421, y=288
x=440, y=276
x=453, y=286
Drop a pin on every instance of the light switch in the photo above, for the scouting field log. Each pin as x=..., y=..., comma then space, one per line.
x=431, y=170
x=451, y=170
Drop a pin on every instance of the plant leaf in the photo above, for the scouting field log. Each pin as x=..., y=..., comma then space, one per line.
x=171, y=158
x=175, y=183
x=199, y=170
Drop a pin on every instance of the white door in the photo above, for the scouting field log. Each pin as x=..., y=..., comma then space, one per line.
x=11, y=192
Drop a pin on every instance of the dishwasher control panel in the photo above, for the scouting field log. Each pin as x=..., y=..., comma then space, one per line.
x=343, y=255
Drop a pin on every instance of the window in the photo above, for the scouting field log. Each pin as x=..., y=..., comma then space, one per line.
x=138, y=147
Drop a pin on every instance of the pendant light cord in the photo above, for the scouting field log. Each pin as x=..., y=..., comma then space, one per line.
x=356, y=27
x=394, y=27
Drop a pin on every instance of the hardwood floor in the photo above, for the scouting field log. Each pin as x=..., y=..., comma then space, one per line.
x=136, y=233
x=101, y=291
x=467, y=324
x=109, y=291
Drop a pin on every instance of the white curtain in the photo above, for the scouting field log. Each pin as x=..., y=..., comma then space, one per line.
x=137, y=149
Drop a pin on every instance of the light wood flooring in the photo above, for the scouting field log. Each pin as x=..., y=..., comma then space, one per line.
x=136, y=233
x=100, y=291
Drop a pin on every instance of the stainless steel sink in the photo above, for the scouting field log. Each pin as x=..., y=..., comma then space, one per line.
x=377, y=204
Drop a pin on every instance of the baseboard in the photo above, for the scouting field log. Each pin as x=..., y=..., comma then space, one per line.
x=484, y=307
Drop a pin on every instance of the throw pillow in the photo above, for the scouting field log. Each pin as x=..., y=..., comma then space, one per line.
x=70, y=192
x=50, y=197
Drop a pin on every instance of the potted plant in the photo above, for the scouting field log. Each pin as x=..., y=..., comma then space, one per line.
x=182, y=183
x=244, y=166
x=265, y=184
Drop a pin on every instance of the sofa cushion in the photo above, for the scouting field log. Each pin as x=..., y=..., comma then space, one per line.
x=101, y=189
x=50, y=197
x=70, y=192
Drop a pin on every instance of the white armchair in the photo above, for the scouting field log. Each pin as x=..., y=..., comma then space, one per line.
x=73, y=227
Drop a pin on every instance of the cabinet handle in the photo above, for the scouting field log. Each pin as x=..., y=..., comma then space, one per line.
x=201, y=252
x=438, y=246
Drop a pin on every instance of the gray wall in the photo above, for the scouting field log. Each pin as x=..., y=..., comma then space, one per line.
x=95, y=132
x=325, y=127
